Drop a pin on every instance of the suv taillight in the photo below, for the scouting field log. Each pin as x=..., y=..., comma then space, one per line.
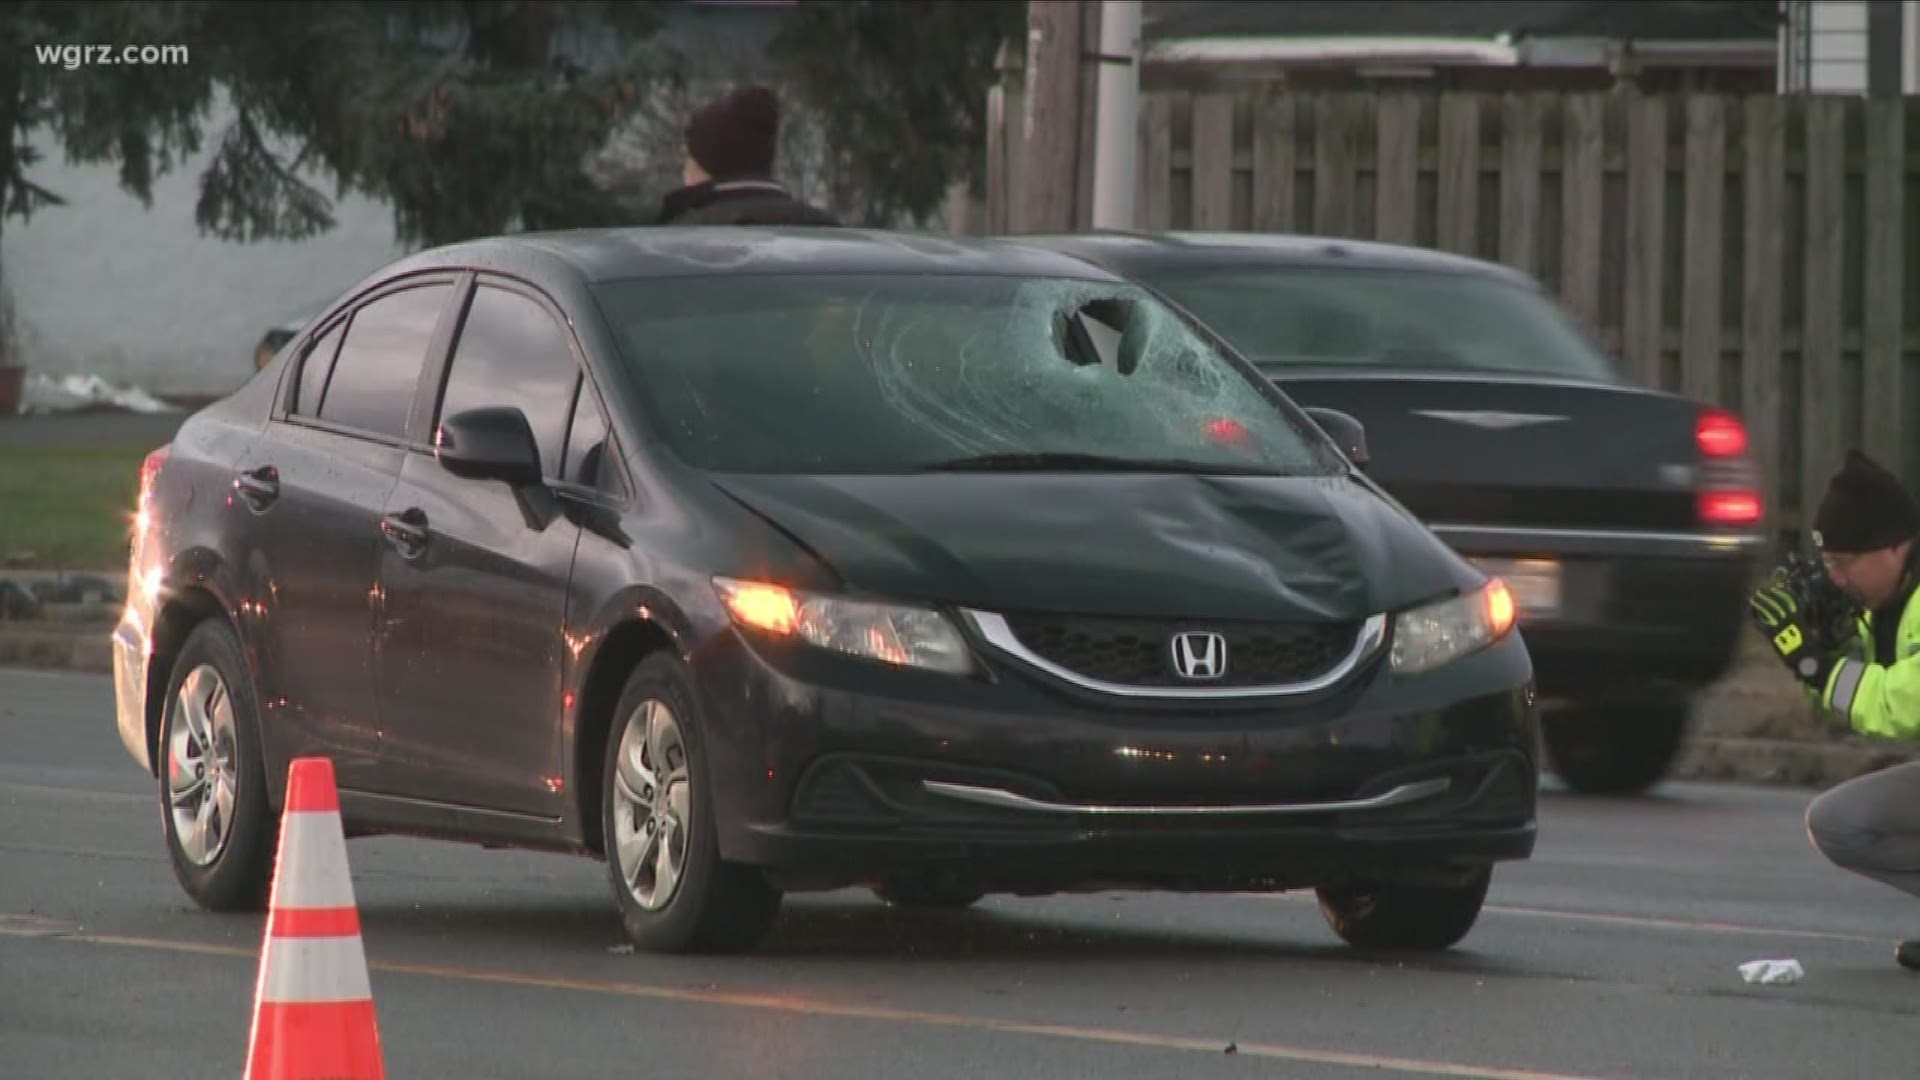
x=1720, y=435
x=1729, y=493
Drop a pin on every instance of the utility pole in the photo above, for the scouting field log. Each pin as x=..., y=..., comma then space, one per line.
x=1049, y=184
x=1117, y=140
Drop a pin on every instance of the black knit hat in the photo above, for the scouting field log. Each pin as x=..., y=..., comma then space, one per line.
x=1866, y=508
x=735, y=136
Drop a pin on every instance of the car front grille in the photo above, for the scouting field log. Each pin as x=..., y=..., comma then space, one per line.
x=1141, y=652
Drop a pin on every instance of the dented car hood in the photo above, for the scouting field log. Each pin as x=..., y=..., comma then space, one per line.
x=1222, y=547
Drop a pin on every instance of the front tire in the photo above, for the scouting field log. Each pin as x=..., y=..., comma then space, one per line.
x=1623, y=749
x=220, y=829
x=1418, y=918
x=674, y=891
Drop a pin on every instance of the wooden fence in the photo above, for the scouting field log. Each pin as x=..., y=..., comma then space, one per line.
x=1762, y=252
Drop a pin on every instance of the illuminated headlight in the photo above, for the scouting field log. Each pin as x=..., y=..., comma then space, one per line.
x=889, y=633
x=1440, y=633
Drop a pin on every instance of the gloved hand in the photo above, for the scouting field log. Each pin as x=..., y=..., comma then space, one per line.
x=1778, y=613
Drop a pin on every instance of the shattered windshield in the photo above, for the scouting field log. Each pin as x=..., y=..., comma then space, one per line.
x=1384, y=319
x=904, y=373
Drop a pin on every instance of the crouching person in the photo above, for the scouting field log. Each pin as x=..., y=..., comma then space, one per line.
x=1865, y=531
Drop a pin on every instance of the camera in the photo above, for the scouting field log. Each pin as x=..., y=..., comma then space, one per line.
x=1830, y=614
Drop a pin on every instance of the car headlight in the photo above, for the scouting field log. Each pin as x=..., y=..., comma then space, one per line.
x=1442, y=632
x=889, y=633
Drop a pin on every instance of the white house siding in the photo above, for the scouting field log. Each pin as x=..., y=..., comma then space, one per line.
x=1911, y=24
x=1838, y=48
x=106, y=286
x=1832, y=36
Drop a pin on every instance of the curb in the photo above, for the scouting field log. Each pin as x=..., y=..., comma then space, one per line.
x=80, y=647
x=1781, y=763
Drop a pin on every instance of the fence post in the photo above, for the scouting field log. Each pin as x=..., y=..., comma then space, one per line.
x=1821, y=428
x=1763, y=194
x=1883, y=337
x=1704, y=268
x=1646, y=237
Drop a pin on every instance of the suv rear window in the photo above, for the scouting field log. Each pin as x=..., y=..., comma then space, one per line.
x=895, y=373
x=1398, y=319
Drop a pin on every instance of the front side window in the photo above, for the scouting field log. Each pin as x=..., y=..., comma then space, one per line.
x=371, y=388
x=905, y=373
x=1284, y=317
x=511, y=352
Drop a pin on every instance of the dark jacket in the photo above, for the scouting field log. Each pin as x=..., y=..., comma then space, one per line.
x=739, y=202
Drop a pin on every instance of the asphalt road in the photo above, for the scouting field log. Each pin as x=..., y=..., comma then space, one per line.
x=1613, y=953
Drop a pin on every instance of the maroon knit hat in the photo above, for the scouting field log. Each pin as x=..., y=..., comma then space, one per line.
x=735, y=136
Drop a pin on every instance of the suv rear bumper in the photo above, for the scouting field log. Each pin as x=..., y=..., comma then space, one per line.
x=1639, y=607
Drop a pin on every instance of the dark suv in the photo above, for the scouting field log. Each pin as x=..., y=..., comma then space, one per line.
x=1628, y=521
x=761, y=561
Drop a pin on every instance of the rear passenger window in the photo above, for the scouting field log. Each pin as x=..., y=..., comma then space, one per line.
x=314, y=369
x=511, y=352
x=372, y=385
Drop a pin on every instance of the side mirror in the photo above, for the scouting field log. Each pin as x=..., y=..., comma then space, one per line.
x=1342, y=428
x=489, y=444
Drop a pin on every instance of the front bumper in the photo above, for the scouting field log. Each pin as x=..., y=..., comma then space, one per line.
x=829, y=772
x=130, y=658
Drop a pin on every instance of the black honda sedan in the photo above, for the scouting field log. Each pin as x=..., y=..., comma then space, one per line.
x=1627, y=520
x=765, y=561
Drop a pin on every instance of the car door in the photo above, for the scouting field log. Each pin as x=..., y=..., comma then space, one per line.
x=471, y=647
x=310, y=495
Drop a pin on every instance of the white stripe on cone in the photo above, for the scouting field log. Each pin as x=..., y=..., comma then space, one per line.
x=314, y=871
x=308, y=970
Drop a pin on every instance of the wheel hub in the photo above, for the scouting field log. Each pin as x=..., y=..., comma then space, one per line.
x=652, y=796
x=201, y=773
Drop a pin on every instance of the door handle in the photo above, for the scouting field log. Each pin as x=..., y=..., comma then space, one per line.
x=407, y=532
x=258, y=488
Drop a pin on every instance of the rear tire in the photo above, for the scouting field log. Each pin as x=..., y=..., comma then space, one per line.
x=220, y=829
x=1420, y=918
x=1614, y=749
x=675, y=893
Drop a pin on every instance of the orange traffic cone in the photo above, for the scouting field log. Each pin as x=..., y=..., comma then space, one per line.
x=313, y=1006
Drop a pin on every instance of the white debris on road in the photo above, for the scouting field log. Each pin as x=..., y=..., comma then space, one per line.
x=1772, y=972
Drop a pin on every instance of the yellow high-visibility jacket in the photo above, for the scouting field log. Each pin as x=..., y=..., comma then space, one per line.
x=1877, y=698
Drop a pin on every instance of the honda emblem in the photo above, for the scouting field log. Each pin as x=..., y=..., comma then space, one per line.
x=1200, y=654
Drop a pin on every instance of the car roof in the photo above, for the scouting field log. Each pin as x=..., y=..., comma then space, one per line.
x=1124, y=251
x=598, y=255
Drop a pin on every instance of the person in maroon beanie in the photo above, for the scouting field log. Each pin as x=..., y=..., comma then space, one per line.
x=729, y=168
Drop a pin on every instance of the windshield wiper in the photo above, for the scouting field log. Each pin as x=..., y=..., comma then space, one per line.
x=1051, y=461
